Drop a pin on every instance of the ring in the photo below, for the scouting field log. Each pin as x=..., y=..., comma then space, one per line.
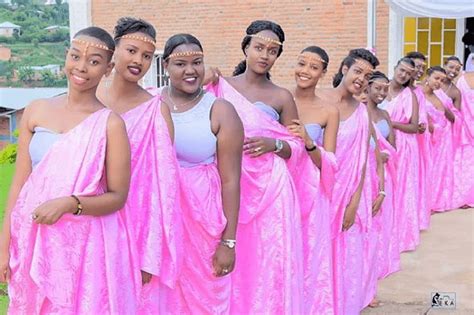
x=225, y=270
x=257, y=149
x=34, y=216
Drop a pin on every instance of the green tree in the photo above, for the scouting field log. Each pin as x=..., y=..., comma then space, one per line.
x=48, y=78
x=25, y=74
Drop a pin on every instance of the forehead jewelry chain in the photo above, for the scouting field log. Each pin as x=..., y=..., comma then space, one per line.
x=176, y=106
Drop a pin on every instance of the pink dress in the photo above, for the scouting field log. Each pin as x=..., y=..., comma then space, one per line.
x=464, y=159
x=151, y=211
x=425, y=164
x=408, y=188
x=353, y=282
x=80, y=264
x=384, y=224
x=268, y=277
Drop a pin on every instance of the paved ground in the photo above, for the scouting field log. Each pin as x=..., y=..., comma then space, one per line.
x=444, y=261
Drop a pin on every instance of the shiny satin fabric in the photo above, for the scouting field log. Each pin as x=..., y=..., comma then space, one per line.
x=80, y=264
x=425, y=164
x=409, y=186
x=352, y=284
x=464, y=159
x=151, y=212
x=268, y=277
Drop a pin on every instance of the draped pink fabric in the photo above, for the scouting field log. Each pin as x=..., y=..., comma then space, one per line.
x=198, y=290
x=464, y=158
x=384, y=225
x=425, y=164
x=151, y=211
x=81, y=264
x=408, y=188
x=353, y=283
x=268, y=277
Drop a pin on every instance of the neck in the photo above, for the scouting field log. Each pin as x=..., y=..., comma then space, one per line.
x=121, y=87
x=427, y=89
x=81, y=99
x=305, y=93
x=395, y=86
x=371, y=105
x=344, y=93
x=180, y=95
x=254, y=78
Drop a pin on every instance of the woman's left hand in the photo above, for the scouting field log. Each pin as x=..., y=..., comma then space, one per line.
x=223, y=261
x=52, y=210
x=377, y=204
x=256, y=146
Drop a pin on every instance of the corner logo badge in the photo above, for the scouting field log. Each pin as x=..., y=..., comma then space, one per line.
x=443, y=300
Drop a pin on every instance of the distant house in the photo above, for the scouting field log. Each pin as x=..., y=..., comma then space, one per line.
x=12, y=103
x=7, y=29
x=55, y=28
x=53, y=2
x=55, y=69
x=5, y=53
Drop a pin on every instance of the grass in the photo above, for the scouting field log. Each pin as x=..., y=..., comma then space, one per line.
x=46, y=53
x=6, y=175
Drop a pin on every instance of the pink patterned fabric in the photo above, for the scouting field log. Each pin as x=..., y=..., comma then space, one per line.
x=425, y=164
x=268, y=277
x=81, y=264
x=384, y=225
x=464, y=158
x=151, y=212
x=353, y=284
x=408, y=188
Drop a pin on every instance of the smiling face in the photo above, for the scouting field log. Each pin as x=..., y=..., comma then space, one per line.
x=261, y=53
x=186, y=73
x=87, y=61
x=378, y=90
x=357, y=76
x=453, y=68
x=309, y=69
x=133, y=57
x=419, y=69
x=435, y=79
x=403, y=73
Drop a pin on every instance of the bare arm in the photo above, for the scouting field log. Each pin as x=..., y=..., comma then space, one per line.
x=287, y=115
x=449, y=115
x=391, y=135
x=456, y=98
x=412, y=126
x=165, y=112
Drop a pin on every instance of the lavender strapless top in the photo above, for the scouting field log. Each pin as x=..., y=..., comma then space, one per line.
x=384, y=128
x=315, y=132
x=40, y=143
x=194, y=140
x=267, y=109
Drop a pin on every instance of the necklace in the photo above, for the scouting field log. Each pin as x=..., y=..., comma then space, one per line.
x=176, y=106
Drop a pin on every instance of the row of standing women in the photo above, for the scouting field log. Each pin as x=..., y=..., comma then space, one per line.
x=241, y=198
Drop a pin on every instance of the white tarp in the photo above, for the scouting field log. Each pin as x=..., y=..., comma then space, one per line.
x=448, y=9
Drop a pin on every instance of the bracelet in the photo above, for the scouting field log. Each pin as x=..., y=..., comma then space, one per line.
x=314, y=147
x=228, y=243
x=381, y=192
x=278, y=145
x=78, y=207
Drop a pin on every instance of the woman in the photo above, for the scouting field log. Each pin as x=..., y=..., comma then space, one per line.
x=318, y=129
x=68, y=250
x=269, y=273
x=209, y=140
x=441, y=120
x=354, y=285
x=384, y=224
x=402, y=106
x=150, y=212
x=464, y=160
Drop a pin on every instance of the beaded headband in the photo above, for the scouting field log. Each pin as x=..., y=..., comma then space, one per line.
x=364, y=66
x=137, y=37
x=404, y=65
x=381, y=83
x=267, y=39
x=91, y=44
x=311, y=57
x=186, y=54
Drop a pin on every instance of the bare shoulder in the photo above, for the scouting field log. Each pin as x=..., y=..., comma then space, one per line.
x=385, y=114
x=115, y=123
x=331, y=109
x=224, y=107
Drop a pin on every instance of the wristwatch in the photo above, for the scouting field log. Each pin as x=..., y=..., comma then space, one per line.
x=278, y=145
x=228, y=243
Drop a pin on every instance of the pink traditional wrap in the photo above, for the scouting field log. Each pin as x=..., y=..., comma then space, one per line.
x=425, y=164
x=151, y=211
x=353, y=284
x=384, y=224
x=80, y=264
x=268, y=277
x=408, y=188
x=464, y=159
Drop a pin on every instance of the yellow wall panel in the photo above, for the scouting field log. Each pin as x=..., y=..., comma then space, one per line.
x=450, y=24
x=423, y=23
x=435, y=55
x=409, y=47
x=436, y=29
x=423, y=42
x=449, y=42
x=410, y=29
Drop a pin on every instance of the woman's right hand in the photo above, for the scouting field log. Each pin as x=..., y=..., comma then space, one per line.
x=297, y=129
x=421, y=128
x=349, y=217
x=4, y=266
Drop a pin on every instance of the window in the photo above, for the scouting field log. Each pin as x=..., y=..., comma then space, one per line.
x=161, y=77
x=434, y=37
